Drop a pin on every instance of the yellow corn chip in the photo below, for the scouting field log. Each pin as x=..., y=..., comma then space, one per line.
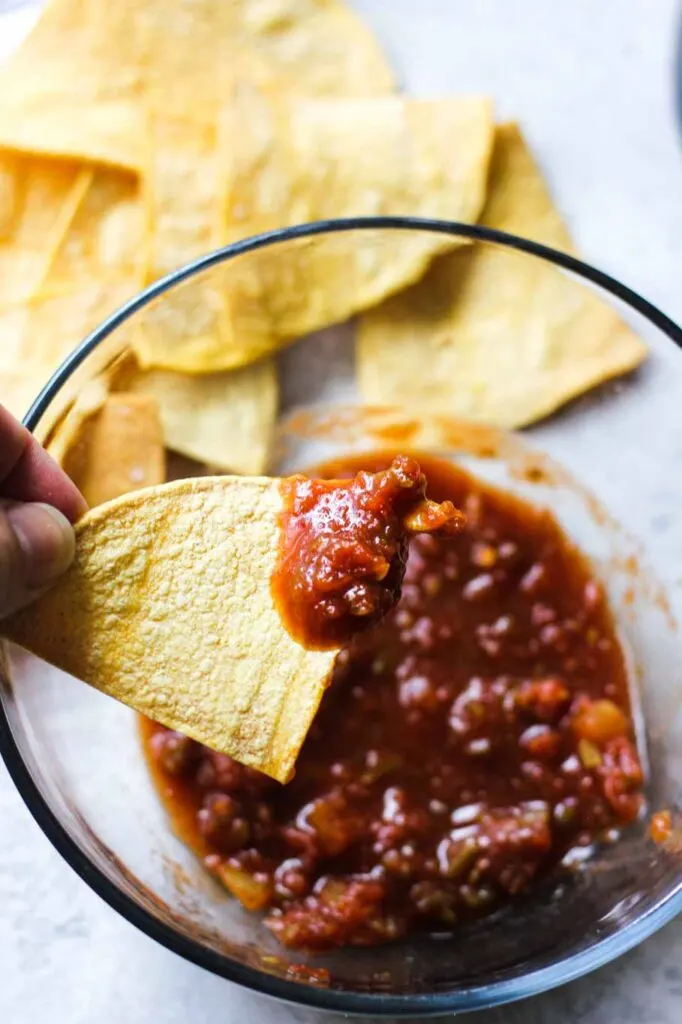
x=168, y=608
x=184, y=185
x=183, y=188
x=125, y=83
x=70, y=89
x=68, y=432
x=305, y=160
x=319, y=47
x=104, y=240
x=106, y=131
x=93, y=266
x=81, y=82
x=112, y=448
x=41, y=197
x=9, y=194
x=35, y=336
x=492, y=336
x=223, y=419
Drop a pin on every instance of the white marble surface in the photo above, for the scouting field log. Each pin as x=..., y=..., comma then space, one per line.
x=592, y=83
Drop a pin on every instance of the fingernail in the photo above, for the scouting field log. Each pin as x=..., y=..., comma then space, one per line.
x=46, y=539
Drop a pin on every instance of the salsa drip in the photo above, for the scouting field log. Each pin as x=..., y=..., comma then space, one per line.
x=476, y=738
x=344, y=548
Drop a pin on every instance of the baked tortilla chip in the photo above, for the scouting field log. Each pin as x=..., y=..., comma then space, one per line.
x=106, y=131
x=223, y=419
x=86, y=75
x=9, y=194
x=318, y=47
x=492, y=336
x=37, y=335
x=70, y=256
x=40, y=199
x=290, y=161
x=182, y=192
x=69, y=90
x=139, y=85
x=68, y=432
x=94, y=265
x=168, y=608
x=113, y=448
x=183, y=199
x=105, y=237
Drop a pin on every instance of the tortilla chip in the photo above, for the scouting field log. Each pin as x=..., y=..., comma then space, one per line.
x=303, y=160
x=86, y=74
x=182, y=191
x=41, y=197
x=67, y=434
x=168, y=608
x=139, y=85
x=70, y=89
x=493, y=336
x=93, y=266
x=72, y=127
x=71, y=257
x=105, y=236
x=319, y=47
x=184, y=161
x=9, y=194
x=113, y=448
x=223, y=419
x=37, y=335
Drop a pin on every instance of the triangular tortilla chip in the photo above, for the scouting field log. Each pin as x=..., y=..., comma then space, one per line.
x=35, y=336
x=81, y=82
x=301, y=160
x=314, y=47
x=183, y=198
x=223, y=419
x=168, y=607
x=92, y=264
x=490, y=335
x=70, y=89
x=105, y=131
x=9, y=194
x=139, y=84
x=112, y=448
x=68, y=432
x=40, y=200
x=105, y=238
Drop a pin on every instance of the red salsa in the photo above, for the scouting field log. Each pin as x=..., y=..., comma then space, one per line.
x=469, y=743
x=344, y=548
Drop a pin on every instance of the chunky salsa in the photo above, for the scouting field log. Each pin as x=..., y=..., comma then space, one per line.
x=470, y=742
x=344, y=548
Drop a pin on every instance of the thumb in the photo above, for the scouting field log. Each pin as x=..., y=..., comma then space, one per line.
x=36, y=545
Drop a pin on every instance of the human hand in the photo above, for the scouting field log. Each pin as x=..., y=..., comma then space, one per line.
x=38, y=503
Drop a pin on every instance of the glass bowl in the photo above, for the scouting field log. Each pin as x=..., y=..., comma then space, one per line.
x=609, y=466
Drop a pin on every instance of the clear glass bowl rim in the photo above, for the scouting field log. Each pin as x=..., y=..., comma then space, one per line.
x=431, y=1003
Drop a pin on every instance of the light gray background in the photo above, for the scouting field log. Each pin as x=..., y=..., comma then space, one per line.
x=592, y=83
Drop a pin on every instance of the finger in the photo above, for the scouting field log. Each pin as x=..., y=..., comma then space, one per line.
x=28, y=473
x=37, y=545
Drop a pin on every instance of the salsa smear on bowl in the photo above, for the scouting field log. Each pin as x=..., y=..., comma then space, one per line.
x=468, y=742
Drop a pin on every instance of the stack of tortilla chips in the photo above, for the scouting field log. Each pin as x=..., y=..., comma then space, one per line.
x=140, y=134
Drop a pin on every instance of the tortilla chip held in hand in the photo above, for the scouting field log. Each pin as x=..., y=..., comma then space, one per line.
x=168, y=608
